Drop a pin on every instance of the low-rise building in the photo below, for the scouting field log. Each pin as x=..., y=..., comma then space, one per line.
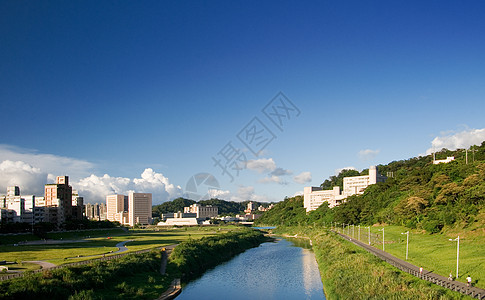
x=443, y=161
x=205, y=212
x=313, y=197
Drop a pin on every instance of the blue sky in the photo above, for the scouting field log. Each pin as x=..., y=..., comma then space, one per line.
x=148, y=93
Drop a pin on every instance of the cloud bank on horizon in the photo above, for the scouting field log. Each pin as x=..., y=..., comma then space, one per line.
x=31, y=170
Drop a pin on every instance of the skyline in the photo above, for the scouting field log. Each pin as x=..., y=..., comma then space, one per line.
x=122, y=96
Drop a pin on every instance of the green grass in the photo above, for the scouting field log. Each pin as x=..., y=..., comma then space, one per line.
x=434, y=252
x=98, y=243
x=350, y=272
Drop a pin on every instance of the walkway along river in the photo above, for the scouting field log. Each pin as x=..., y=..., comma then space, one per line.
x=457, y=286
x=277, y=270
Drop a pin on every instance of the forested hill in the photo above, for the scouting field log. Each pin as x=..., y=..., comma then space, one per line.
x=224, y=207
x=418, y=194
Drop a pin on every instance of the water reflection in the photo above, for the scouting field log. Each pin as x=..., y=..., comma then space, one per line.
x=270, y=271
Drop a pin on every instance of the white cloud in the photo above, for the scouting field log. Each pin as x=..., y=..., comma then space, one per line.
x=281, y=172
x=95, y=188
x=51, y=164
x=219, y=194
x=303, y=177
x=31, y=180
x=261, y=165
x=299, y=193
x=272, y=179
x=337, y=171
x=456, y=140
x=368, y=154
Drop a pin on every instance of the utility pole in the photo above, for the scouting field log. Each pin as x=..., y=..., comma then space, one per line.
x=457, y=253
x=473, y=151
x=407, y=243
x=382, y=238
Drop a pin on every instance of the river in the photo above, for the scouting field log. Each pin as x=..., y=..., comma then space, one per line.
x=277, y=270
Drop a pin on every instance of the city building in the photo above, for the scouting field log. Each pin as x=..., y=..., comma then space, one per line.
x=139, y=208
x=202, y=212
x=77, y=206
x=95, y=212
x=180, y=219
x=313, y=197
x=59, y=195
x=117, y=208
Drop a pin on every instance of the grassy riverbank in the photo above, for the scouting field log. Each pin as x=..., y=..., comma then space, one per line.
x=68, y=247
x=79, y=282
x=134, y=276
x=349, y=272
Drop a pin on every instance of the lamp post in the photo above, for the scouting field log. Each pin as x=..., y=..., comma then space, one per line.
x=382, y=238
x=407, y=242
x=369, y=234
x=457, y=253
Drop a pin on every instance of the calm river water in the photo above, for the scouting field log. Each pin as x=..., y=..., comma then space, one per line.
x=271, y=271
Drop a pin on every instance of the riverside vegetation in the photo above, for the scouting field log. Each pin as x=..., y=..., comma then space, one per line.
x=350, y=272
x=134, y=276
x=434, y=202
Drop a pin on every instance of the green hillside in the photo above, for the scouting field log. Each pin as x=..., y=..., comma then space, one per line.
x=224, y=207
x=417, y=194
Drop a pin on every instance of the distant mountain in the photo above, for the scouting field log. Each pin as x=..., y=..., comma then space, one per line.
x=417, y=194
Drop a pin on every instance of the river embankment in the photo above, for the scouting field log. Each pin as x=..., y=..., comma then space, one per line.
x=349, y=272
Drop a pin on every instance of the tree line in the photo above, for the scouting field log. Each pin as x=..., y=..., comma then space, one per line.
x=419, y=194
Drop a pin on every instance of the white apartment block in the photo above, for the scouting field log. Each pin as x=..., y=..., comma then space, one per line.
x=202, y=211
x=313, y=197
x=139, y=208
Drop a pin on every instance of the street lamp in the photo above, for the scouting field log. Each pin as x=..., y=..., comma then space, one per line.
x=382, y=238
x=369, y=234
x=457, y=253
x=407, y=243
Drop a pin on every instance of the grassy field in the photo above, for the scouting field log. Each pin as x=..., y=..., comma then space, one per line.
x=350, y=272
x=434, y=252
x=82, y=245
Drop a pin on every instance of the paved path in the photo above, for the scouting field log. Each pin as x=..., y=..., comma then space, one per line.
x=457, y=286
x=121, y=247
x=43, y=264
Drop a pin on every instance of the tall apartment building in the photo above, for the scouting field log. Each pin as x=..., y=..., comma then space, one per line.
x=202, y=211
x=313, y=197
x=59, y=194
x=117, y=208
x=136, y=208
x=77, y=205
x=95, y=211
x=139, y=208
